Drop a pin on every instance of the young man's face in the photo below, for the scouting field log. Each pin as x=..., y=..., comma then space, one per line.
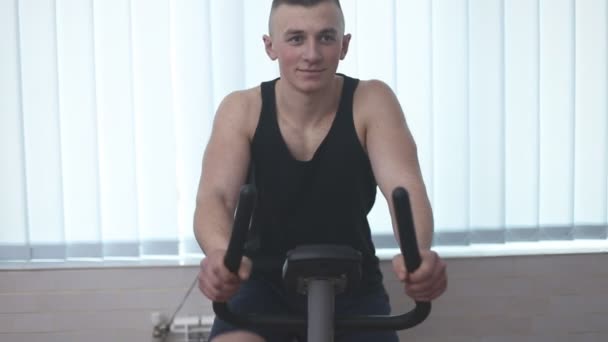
x=308, y=42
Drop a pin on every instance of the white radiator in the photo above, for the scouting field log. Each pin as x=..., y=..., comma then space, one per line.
x=191, y=328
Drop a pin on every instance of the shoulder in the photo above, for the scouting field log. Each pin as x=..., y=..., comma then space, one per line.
x=240, y=111
x=373, y=100
x=370, y=93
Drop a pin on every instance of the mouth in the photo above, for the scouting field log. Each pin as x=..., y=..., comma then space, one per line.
x=311, y=71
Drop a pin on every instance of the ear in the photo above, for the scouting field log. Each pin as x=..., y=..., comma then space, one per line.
x=269, y=47
x=345, y=44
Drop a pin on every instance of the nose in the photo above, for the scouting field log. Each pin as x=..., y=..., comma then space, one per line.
x=312, y=53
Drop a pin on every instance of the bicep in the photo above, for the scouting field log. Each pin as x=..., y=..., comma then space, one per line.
x=391, y=147
x=226, y=158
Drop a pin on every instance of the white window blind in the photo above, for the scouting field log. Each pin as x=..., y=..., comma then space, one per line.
x=106, y=107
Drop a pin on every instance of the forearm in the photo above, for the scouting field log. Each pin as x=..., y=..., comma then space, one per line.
x=423, y=219
x=212, y=224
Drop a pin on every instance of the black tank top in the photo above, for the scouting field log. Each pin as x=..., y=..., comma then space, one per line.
x=324, y=200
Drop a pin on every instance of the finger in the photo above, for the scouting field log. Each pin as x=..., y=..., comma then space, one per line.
x=231, y=279
x=430, y=270
x=202, y=277
x=209, y=291
x=210, y=278
x=432, y=290
x=427, y=267
x=399, y=267
x=225, y=294
x=228, y=290
x=217, y=290
x=222, y=273
x=421, y=283
x=215, y=281
x=428, y=283
x=225, y=285
x=245, y=269
x=440, y=291
x=424, y=294
x=431, y=294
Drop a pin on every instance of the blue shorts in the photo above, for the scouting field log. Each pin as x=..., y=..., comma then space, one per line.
x=260, y=295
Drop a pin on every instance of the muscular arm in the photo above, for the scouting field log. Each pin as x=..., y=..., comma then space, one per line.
x=394, y=160
x=393, y=155
x=224, y=170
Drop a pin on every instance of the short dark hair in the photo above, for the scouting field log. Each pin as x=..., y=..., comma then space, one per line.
x=305, y=3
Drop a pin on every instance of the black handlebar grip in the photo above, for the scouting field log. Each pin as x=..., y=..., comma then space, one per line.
x=242, y=219
x=407, y=233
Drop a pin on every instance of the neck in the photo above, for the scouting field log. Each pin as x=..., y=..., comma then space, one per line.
x=307, y=108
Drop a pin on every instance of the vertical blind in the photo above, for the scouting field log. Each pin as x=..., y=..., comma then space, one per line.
x=106, y=107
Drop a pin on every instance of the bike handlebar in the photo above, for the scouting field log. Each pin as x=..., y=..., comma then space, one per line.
x=409, y=249
x=242, y=219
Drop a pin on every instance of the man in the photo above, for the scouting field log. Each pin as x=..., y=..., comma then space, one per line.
x=315, y=144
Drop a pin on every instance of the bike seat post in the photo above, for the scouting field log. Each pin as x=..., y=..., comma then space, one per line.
x=321, y=294
x=320, y=272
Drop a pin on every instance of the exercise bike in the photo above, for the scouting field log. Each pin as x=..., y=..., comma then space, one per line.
x=320, y=272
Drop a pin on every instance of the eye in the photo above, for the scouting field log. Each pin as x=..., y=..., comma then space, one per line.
x=328, y=38
x=295, y=39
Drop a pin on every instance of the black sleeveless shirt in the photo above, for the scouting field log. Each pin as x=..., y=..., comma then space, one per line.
x=324, y=200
